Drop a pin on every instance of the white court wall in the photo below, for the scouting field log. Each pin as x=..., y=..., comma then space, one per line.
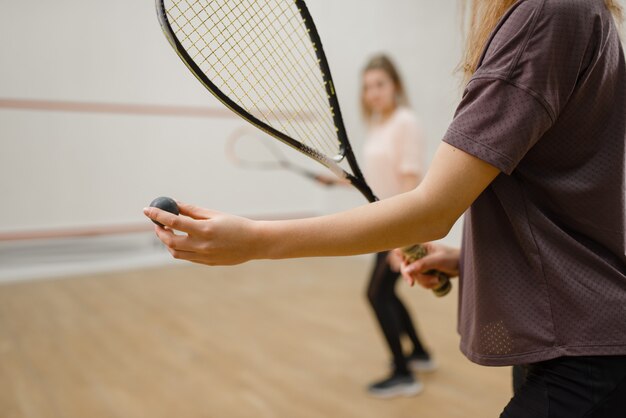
x=66, y=169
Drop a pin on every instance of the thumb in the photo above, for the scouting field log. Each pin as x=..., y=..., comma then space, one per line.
x=195, y=212
x=426, y=263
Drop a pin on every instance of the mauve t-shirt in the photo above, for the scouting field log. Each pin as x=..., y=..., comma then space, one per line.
x=543, y=261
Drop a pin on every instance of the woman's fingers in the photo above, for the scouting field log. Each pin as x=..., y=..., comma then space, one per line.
x=195, y=212
x=408, y=278
x=412, y=276
x=428, y=281
x=177, y=222
x=429, y=262
x=184, y=247
x=438, y=257
x=178, y=242
x=212, y=239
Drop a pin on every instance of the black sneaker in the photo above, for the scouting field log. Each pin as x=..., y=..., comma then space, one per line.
x=421, y=362
x=396, y=385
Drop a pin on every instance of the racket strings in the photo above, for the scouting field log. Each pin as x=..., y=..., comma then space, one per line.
x=264, y=75
x=260, y=55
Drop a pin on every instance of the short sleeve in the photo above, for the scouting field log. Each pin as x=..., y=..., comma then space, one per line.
x=528, y=71
x=498, y=123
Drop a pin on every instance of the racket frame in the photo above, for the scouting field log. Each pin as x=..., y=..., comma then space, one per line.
x=356, y=178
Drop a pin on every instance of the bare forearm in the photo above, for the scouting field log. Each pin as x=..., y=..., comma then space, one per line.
x=403, y=220
x=422, y=214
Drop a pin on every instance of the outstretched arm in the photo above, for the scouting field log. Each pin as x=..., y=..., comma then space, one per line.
x=426, y=213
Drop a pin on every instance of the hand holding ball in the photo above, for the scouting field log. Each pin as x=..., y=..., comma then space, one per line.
x=165, y=203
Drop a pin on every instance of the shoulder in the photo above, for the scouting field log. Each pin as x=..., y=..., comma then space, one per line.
x=541, y=32
x=559, y=10
x=568, y=16
x=570, y=8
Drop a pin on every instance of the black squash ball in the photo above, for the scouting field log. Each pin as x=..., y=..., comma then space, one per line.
x=165, y=203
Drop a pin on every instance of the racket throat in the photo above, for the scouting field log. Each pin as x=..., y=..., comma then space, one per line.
x=363, y=188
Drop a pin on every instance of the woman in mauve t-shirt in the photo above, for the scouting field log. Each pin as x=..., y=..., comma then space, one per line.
x=392, y=164
x=536, y=158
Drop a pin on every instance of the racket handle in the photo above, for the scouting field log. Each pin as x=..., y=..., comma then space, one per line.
x=417, y=251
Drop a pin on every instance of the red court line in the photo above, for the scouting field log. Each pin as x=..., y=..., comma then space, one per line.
x=135, y=109
x=115, y=108
x=118, y=229
x=90, y=231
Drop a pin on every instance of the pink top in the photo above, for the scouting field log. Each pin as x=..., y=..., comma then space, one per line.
x=393, y=149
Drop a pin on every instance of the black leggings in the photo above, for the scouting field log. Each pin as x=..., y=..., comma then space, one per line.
x=392, y=316
x=570, y=387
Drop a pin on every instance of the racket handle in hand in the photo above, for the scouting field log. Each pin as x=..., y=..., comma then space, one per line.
x=417, y=251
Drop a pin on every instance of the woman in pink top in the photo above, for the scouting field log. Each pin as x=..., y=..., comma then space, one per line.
x=392, y=165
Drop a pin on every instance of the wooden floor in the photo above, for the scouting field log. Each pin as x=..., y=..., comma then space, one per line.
x=266, y=339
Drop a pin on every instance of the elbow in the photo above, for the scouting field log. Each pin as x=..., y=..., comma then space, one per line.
x=441, y=230
x=442, y=225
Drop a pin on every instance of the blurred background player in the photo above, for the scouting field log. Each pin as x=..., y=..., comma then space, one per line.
x=392, y=165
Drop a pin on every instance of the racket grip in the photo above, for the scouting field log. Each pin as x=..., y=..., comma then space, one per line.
x=417, y=251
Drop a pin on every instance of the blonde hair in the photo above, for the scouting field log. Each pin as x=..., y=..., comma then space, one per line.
x=383, y=63
x=483, y=18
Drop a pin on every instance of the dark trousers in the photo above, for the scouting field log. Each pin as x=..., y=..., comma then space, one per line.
x=392, y=316
x=570, y=387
